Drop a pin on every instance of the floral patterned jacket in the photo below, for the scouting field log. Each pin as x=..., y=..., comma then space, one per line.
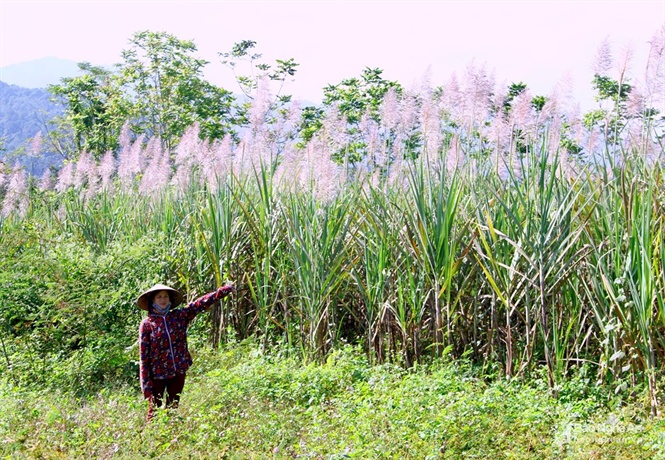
x=163, y=340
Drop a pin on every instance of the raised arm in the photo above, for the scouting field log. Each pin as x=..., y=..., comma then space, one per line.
x=205, y=301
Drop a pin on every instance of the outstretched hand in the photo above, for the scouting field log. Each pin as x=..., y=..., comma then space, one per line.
x=226, y=289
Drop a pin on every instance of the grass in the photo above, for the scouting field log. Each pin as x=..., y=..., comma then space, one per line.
x=241, y=403
x=521, y=284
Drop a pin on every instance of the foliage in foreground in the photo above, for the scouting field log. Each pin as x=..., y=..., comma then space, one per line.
x=511, y=272
x=241, y=403
x=516, y=236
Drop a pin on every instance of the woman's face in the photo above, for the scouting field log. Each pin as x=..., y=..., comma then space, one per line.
x=162, y=299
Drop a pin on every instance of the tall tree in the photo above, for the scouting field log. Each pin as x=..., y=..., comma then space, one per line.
x=262, y=85
x=165, y=82
x=95, y=109
x=353, y=97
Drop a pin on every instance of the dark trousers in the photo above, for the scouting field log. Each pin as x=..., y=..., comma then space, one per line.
x=173, y=387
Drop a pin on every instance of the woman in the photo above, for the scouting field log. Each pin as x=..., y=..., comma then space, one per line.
x=164, y=357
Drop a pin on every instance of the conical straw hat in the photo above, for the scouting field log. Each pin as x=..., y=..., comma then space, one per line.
x=144, y=299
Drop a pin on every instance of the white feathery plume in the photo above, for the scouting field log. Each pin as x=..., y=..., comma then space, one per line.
x=186, y=158
x=204, y=163
x=124, y=140
x=407, y=124
x=260, y=106
x=452, y=100
x=499, y=135
x=655, y=71
x=36, y=145
x=592, y=141
x=408, y=112
x=389, y=110
x=16, y=196
x=289, y=123
x=625, y=62
x=46, y=182
x=289, y=170
x=376, y=150
x=157, y=174
x=322, y=174
x=398, y=174
x=333, y=129
x=107, y=170
x=563, y=93
x=65, y=177
x=222, y=157
x=635, y=103
x=130, y=163
x=634, y=141
x=85, y=169
x=478, y=88
x=603, y=60
x=242, y=160
x=521, y=113
x=187, y=149
x=499, y=99
x=576, y=127
x=455, y=155
x=93, y=179
x=259, y=141
x=551, y=109
x=430, y=121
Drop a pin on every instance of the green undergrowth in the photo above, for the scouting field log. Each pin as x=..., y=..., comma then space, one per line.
x=240, y=403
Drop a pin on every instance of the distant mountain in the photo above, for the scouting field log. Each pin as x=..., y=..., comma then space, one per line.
x=25, y=109
x=24, y=112
x=39, y=73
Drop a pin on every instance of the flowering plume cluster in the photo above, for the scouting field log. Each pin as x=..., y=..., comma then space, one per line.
x=655, y=71
x=130, y=162
x=603, y=61
x=466, y=123
x=107, y=169
x=36, y=145
x=158, y=170
x=65, y=177
x=16, y=198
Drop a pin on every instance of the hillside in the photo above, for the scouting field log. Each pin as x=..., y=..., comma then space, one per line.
x=23, y=113
x=39, y=73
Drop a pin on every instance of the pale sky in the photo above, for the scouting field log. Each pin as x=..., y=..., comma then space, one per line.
x=538, y=42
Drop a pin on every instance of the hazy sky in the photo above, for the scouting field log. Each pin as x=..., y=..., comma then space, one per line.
x=535, y=41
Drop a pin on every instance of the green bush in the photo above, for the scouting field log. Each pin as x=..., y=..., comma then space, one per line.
x=241, y=402
x=68, y=314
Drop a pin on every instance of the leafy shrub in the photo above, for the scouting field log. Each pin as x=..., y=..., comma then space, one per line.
x=70, y=314
x=244, y=402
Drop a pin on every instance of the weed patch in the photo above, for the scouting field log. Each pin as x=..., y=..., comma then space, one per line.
x=242, y=403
